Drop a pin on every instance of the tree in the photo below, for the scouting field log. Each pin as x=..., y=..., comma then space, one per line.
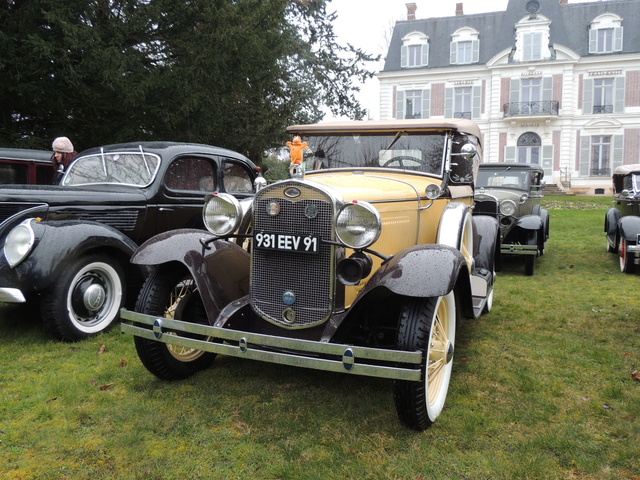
x=232, y=73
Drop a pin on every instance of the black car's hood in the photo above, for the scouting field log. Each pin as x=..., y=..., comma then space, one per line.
x=54, y=195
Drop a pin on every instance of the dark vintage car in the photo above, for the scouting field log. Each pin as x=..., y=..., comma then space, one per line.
x=622, y=222
x=25, y=166
x=67, y=246
x=511, y=192
x=364, y=266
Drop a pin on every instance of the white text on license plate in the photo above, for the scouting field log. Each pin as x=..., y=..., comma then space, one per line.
x=287, y=242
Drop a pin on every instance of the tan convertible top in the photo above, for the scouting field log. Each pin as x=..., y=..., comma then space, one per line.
x=627, y=169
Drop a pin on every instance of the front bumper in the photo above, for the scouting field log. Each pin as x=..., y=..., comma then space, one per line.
x=355, y=360
x=519, y=249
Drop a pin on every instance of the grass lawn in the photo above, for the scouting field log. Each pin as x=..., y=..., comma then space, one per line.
x=542, y=388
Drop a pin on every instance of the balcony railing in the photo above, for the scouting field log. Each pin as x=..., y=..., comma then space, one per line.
x=531, y=109
x=600, y=172
x=466, y=115
x=413, y=115
x=603, y=109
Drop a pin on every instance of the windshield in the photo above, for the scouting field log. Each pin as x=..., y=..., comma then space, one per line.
x=506, y=177
x=136, y=169
x=402, y=151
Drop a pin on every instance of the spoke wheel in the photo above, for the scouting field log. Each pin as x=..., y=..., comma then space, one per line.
x=172, y=293
x=427, y=325
x=626, y=257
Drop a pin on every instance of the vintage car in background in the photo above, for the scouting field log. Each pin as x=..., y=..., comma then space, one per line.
x=25, y=166
x=67, y=246
x=622, y=222
x=511, y=192
x=364, y=266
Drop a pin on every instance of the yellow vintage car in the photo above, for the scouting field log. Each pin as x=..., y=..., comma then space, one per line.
x=363, y=262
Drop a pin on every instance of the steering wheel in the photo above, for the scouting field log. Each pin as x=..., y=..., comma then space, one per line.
x=400, y=159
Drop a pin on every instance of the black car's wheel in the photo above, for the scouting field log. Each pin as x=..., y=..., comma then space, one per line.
x=530, y=260
x=86, y=299
x=171, y=293
x=626, y=257
x=427, y=325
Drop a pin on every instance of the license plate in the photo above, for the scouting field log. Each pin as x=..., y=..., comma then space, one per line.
x=286, y=242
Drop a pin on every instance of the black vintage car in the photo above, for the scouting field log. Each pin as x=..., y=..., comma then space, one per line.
x=68, y=246
x=24, y=165
x=622, y=222
x=512, y=192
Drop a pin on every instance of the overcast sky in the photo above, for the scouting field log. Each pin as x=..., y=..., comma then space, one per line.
x=367, y=24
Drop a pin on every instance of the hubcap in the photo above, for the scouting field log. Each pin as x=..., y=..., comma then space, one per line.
x=94, y=297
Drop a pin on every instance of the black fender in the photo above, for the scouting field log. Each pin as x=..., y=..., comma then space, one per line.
x=220, y=270
x=60, y=242
x=529, y=222
x=544, y=218
x=611, y=220
x=629, y=228
x=486, y=241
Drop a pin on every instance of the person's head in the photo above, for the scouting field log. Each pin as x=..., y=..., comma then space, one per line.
x=60, y=146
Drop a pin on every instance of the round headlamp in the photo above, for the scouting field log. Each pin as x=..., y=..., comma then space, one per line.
x=19, y=243
x=507, y=208
x=221, y=214
x=433, y=191
x=358, y=225
x=524, y=197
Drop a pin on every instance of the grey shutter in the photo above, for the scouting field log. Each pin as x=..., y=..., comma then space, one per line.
x=547, y=89
x=476, y=102
x=618, y=95
x=510, y=154
x=475, y=45
x=453, y=53
x=618, y=150
x=426, y=103
x=617, y=39
x=593, y=40
x=400, y=105
x=585, y=156
x=448, y=102
x=587, y=99
x=514, y=93
x=547, y=160
x=425, y=54
x=404, y=56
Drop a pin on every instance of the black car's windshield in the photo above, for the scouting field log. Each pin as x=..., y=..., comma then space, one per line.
x=503, y=177
x=135, y=169
x=402, y=150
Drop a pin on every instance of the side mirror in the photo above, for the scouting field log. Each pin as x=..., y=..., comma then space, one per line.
x=468, y=151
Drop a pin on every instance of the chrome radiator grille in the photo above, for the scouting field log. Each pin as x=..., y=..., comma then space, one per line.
x=305, y=279
x=486, y=207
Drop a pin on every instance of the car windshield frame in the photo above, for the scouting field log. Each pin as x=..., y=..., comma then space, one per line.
x=415, y=152
x=135, y=169
x=520, y=178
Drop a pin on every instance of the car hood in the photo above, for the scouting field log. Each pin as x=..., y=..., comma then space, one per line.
x=501, y=193
x=54, y=195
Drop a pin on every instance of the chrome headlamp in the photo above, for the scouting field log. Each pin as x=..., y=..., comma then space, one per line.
x=507, y=208
x=19, y=243
x=433, y=191
x=221, y=214
x=358, y=225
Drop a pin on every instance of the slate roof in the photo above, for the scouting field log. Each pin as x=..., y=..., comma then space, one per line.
x=569, y=27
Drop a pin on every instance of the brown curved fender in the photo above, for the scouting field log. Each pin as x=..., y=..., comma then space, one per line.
x=220, y=271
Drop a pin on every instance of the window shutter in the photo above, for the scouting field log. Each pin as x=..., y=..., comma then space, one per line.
x=537, y=46
x=476, y=101
x=425, y=54
x=404, y=56
x=514, y=94
x=448, y=102
x=617, y=39
x=587, y=100
x=400, y=105
x=547, y=160
x=547, y=89
x=593, y=40
x=426, y=103
x=453, y=52
x=510, y=154
x=585, y=156
x=618, y=150
x=475, y=45
x=618, y=95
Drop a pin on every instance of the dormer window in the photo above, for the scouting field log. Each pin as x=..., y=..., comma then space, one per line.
x=605, y=34
x=532, y=39
x=415, y=50
x=465, y=46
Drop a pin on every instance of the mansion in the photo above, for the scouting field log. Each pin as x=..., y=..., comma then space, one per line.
x=548, y=82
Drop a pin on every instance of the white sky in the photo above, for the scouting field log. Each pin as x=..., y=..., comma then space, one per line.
x=367, y=24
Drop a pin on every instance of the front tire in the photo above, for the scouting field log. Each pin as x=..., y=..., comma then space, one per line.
x=86, y=299
x=427, y=325
x=171, y=292
x=626, y=257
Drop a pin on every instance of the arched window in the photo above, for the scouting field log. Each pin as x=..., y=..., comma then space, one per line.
x=415, y=50
x=529, y=145
x=605, y=34
x=465, y=46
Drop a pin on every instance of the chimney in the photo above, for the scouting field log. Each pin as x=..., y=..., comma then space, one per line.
x=411, y=11
x=459, y=11
x=564, y=2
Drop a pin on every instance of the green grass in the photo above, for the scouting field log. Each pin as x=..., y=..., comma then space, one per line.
x=541, y=389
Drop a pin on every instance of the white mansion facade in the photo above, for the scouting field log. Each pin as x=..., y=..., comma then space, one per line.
x=548, y=82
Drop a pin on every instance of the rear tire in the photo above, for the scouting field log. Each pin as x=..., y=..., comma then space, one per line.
x=530, y=260
x=427, y=325
x=626, y=257
x=171, y=292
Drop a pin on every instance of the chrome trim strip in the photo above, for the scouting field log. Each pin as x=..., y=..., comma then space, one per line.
x=519, y=249
x=299, y=353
